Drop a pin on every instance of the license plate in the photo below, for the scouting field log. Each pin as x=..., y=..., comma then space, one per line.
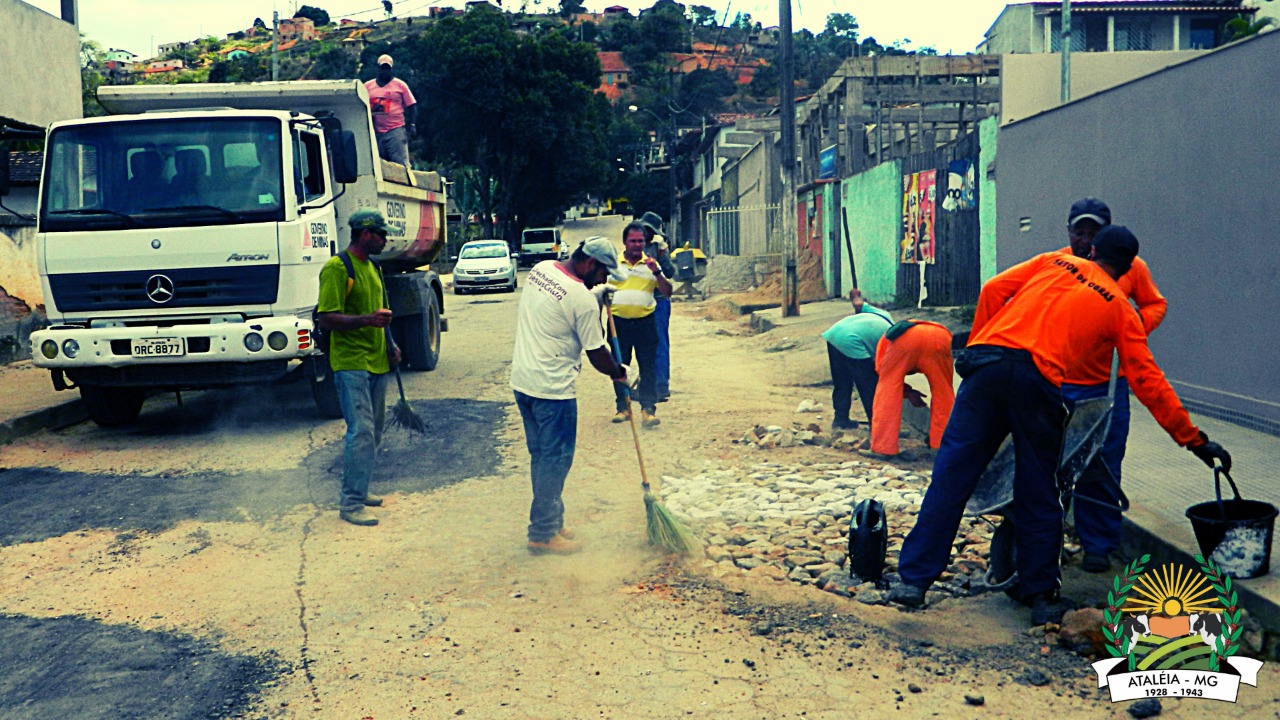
x=159, y=347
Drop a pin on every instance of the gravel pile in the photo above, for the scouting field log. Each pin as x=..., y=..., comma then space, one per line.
x=791, y=522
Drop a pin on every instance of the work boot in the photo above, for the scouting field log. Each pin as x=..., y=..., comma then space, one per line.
x=844, y=424
x=648, y=419
x=373, y=501
x=358, y=517
x=557, y=545
x=1048, y=608
x=1096, y=562
x=565, y=533
x=622, y=416
x=907, y=595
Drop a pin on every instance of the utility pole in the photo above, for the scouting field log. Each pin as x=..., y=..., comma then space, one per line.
x=275, y=46
x=787, y=108
x=1066, y=51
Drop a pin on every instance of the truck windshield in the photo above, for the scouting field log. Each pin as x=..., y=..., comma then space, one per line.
x=163, y=173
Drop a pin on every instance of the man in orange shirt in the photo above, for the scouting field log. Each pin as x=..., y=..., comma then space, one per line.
x=1030, y=323
x=1098, y=523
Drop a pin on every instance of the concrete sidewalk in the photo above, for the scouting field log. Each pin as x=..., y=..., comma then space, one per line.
x=1161, y=479
x=29, y=403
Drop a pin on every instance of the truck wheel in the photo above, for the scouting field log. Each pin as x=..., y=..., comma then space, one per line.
x=112, y=406
x=421, y=333
x=323, y=389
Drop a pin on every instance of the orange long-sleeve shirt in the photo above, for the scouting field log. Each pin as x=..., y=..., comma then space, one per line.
x=1061, y=309
x=1138, y=286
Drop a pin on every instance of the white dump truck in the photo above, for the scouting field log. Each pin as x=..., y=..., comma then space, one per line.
x=181, y=238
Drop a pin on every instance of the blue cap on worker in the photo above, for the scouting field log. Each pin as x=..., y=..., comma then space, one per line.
x=1116, y=246
x=366, y=219
x=1089, y=209
x=603, y=252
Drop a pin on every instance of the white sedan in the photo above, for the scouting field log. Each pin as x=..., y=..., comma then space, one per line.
x=484, y=264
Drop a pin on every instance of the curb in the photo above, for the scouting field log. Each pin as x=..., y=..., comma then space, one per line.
x=50, y=418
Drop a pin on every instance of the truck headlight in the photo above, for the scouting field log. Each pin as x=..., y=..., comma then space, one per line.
x=278, y=341
x=253, y=342
x=49, y=349
x=70, y=348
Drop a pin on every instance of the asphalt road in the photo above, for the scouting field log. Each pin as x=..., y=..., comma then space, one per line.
x=194, y=463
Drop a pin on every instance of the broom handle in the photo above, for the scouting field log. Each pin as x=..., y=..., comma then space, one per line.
x=635, y=435
x=400, y=384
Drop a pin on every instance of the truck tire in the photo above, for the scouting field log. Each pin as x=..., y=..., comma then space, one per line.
x=112, y=406
x=323, y=389
x=421, y=334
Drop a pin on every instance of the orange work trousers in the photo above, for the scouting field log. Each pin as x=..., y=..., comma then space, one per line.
x=925, y=348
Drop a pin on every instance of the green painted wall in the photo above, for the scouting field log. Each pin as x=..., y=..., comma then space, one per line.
x=873, y=200
x=987, y=133
x=831, y=235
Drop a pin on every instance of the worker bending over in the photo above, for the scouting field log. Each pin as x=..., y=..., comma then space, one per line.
x=1030, y=323
x=922, y=347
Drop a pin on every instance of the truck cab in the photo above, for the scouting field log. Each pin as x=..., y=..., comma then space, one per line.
x=180, y=241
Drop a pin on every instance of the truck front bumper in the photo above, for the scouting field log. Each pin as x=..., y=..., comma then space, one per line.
x=67, y=347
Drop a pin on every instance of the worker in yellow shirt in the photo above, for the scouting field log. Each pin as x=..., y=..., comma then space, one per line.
x=634, y=302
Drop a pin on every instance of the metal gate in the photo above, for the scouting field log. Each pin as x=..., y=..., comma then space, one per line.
x=743, y=231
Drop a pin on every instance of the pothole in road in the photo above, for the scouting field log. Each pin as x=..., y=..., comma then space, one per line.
x=70, y=667
x=40, y=503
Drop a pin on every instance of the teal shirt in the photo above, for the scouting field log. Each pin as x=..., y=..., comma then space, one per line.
x=856, y=336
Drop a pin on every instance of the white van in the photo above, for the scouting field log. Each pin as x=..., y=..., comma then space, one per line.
x=537, y=244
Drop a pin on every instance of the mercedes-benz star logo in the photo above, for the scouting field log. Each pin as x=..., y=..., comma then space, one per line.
x=159, y=289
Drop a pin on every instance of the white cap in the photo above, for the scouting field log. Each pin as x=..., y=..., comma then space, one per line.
x=386, y=60
x=602, y=250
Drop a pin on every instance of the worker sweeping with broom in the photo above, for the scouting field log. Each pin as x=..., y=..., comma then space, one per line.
x=557, y=319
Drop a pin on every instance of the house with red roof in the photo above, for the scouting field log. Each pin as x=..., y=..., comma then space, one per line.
x=614, y=75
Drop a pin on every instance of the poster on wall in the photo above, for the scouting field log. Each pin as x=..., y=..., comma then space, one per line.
x=960, y=184
x=918, y=242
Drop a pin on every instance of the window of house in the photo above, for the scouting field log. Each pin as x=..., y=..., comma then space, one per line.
x=1133, y=33
x=1077, y=34
x=1204, y=34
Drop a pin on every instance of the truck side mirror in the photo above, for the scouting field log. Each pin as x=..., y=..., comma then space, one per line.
x=4, y=171
x=344, y=157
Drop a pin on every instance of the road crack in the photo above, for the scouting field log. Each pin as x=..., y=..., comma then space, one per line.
x=300, y=584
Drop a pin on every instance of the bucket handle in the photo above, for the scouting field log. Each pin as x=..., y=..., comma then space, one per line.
x=1218, y=473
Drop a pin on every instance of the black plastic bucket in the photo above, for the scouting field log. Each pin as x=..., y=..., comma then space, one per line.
x=1235, y=534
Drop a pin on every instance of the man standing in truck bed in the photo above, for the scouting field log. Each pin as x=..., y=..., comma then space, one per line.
x=395, y=112
x=352, y=309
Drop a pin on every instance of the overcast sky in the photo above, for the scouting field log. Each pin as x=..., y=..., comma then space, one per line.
x=139, y=25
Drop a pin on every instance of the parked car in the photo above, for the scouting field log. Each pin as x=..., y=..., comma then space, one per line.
x=538, y=244
x=484, y=264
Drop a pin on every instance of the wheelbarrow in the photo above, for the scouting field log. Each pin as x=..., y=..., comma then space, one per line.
x=691, y=268
x=1079, y=463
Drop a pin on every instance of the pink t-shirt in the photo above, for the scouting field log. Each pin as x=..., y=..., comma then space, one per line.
x=387, y=103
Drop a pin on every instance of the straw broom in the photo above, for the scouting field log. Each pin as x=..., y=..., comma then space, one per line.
x=663, y=529
x=402, y=414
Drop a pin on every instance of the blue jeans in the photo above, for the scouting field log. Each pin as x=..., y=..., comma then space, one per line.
x=551, y=434
x=363, y=397
x=662, y=363
x=638, y=335
x=1009, y=396
x=1097, y=526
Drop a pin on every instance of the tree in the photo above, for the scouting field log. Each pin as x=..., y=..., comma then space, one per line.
x=519, y=112
x=333, y=64
x=91, y=61
x=703, y=16
x=1240, y=27
x=664, y=28
x=257, y=22
x=571, y=7
x=386, y=7
x=315, y=14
